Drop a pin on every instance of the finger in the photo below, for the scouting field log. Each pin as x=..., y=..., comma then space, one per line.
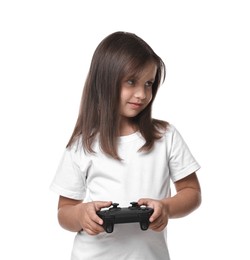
x=156, y=214
x=89, y=231
x=93, y=228
x=92, y=232
x=96, y=228
x=102, y=204
x=97, y=219
x=98, y=206
x=158, y=225
x=143, y=201
x=149, y=203
x=158, y=228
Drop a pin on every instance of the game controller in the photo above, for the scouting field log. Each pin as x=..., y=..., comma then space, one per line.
x=117, y=215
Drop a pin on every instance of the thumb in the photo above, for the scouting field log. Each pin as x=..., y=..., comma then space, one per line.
x=144, y=201
x=102, y=204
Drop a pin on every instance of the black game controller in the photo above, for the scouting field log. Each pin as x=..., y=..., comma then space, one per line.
x=117, y=215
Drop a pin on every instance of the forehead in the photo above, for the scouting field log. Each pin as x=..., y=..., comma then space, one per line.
x=148, y=70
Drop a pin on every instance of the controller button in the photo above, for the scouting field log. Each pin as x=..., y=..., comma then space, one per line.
x=134, y=204
x=115, y=205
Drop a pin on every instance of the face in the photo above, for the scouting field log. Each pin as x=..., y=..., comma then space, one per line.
x=136, y=93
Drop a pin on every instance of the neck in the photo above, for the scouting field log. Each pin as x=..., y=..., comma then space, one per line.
x=126, y=127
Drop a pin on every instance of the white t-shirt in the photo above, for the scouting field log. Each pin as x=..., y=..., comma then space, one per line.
x=95, y=177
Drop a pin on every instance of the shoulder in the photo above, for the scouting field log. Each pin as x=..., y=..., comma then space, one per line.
x=76, y=152
x=172, y=134
x=164, y=127
x=171, y=129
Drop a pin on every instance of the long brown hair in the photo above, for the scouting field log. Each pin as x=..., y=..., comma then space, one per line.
x=119, y=55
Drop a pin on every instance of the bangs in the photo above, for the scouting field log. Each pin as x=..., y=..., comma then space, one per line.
x=135, y=67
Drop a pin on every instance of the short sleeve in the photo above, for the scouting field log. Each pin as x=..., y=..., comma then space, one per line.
x=70, y=178
x=181, y=161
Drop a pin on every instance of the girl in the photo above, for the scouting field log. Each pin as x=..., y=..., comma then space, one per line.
x=118, y=153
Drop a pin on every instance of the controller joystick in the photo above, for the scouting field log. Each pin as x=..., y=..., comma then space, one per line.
x=134, y=205
x=117, y=215
x=115, y=205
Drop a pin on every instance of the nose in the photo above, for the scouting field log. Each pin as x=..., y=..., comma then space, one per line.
x=140, y=92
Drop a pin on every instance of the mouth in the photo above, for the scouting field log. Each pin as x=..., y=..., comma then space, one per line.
x=135, y=105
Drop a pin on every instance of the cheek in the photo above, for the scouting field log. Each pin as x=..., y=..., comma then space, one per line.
x=124, y=95
x=149, y=96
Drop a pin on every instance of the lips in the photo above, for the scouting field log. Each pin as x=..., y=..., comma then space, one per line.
x=135, y=105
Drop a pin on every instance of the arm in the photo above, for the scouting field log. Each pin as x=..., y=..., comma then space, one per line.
x=74, y=215
x=186, y=200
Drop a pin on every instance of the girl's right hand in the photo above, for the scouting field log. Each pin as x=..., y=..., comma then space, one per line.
x=87, y=217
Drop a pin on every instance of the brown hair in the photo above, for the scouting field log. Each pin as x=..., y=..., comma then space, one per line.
x=119, y=55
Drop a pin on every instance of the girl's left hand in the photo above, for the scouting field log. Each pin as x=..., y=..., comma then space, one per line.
x=159, y=218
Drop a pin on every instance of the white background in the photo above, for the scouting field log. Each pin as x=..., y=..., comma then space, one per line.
x=45, y=52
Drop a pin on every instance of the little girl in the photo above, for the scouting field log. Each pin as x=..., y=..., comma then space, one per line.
x=119, y=153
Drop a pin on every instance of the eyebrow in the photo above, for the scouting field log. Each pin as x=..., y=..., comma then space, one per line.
x=152, y=79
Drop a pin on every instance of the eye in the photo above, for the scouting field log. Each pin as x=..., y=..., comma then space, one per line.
x=149, y=84
x=131, y=82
